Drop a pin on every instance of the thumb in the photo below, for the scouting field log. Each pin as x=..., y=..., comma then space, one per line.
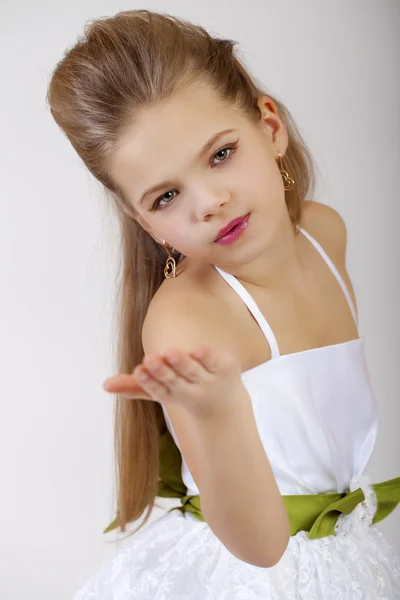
x=127, y=387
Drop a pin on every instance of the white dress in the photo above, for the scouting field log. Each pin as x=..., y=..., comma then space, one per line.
x=317, y=418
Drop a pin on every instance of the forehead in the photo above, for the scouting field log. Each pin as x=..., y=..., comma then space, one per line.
x=166, y=135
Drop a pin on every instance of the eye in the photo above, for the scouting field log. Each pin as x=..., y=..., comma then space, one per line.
x=221, y=156
x=157, y=204
x=226, y=153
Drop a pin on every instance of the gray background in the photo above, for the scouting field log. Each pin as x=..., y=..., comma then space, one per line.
x=335, y=65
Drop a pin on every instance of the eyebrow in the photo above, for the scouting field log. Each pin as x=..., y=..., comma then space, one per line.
x=207, y=146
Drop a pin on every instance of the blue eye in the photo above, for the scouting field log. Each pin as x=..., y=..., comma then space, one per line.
x=228, y=153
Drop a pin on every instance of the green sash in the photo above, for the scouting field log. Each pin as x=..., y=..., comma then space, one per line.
x=315, y=513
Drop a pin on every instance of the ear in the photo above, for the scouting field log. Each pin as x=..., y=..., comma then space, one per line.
x=273, y=124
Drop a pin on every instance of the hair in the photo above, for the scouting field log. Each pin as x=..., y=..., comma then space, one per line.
x=120, y=66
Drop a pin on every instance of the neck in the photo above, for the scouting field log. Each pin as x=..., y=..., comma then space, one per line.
x=278, y=265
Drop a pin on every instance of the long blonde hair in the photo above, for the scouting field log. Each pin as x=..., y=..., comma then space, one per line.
x=121, y=65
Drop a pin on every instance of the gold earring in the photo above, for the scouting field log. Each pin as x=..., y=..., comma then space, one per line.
x=170, y=265
x=288, y=182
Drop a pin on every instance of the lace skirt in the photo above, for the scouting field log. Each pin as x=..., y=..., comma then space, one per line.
x=178, y=557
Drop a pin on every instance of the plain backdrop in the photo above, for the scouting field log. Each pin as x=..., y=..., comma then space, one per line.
x=335, y=65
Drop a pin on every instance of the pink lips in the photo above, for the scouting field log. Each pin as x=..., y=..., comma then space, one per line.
x=233, y=230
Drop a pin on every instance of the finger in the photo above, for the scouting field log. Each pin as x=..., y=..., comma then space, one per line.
x=128, y=387
x=132, y=391
x=208, y=357
x=121, y=383
x=176, y=365
x=154, y=387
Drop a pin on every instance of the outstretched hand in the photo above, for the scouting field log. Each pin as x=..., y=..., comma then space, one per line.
x=201, y=379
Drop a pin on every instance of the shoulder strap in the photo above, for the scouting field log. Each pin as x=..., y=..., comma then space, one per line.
x=334, y=271
x=253, y=308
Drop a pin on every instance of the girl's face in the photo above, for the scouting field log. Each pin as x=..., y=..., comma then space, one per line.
x=190, y=165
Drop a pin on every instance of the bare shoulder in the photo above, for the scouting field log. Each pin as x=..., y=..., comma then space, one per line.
x=181, y=315
x=327, y=226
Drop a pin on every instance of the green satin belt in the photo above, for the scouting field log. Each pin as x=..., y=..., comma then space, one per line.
x=318, y=513
x=315, y=513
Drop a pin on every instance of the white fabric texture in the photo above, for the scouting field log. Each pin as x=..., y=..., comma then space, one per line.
x=178, y=557
x=317, y=417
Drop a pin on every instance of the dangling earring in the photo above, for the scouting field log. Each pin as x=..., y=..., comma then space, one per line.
x=170, y=265
x=288, y=182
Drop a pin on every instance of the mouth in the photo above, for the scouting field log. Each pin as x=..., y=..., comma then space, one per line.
x=233, y=230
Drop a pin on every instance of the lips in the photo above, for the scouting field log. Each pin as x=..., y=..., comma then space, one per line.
x=228, y=227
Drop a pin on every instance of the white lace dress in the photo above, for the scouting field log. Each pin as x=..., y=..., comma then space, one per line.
x=317, y=418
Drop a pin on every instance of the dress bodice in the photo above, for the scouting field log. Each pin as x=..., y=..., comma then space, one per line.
x=315, y=410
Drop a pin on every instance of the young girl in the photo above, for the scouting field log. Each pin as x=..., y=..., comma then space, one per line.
x=245, y=385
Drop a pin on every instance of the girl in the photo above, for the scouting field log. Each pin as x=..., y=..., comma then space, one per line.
x=246, y=385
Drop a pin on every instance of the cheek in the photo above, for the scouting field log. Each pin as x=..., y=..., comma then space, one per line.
x=260, y=178
x=176, y=230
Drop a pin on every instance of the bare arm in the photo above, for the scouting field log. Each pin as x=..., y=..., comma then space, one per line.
x=240, y=499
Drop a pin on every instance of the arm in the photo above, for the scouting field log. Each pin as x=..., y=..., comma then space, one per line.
x=240, y=498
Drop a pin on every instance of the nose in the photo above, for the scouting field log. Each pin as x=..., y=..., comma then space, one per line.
x=209, y=201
